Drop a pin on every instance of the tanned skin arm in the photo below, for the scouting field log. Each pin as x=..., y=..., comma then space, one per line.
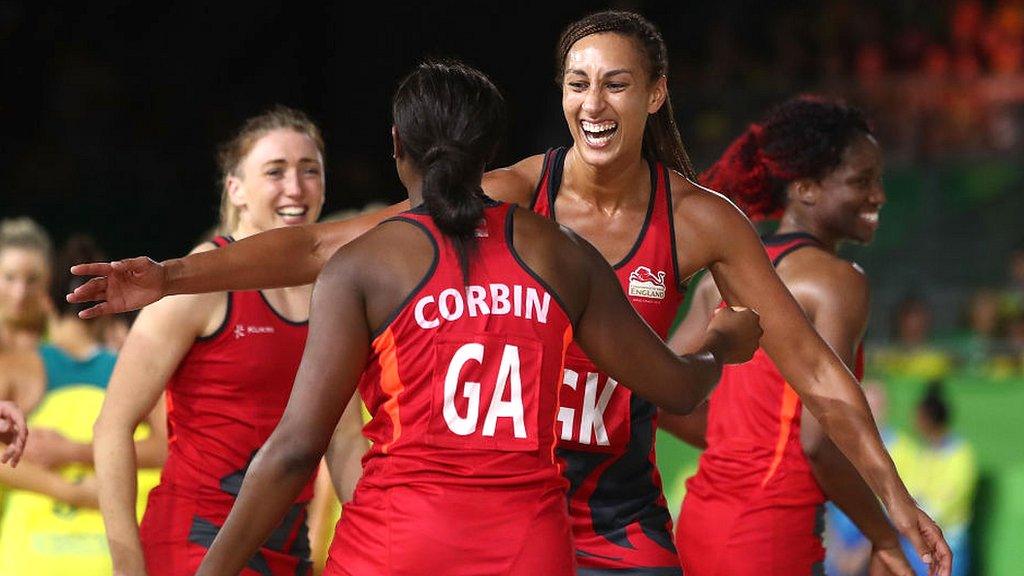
x=717, y=234
x=159, y=339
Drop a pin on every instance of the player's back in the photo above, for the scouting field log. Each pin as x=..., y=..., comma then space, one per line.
x=461, y=384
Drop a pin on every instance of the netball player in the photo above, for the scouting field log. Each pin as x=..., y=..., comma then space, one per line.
x=453, y=319
x=755, y=504
x=227, y=362
x=625, y=186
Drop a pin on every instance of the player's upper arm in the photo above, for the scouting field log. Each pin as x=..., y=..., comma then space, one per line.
x=623, y=345
x=159, y=338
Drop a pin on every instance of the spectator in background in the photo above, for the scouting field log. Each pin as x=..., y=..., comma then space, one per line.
x=848, y=551
x=912, y=352
x=1013, y=294
x=975, y=346
x=25, y=251
x=48, y=528
x=941, y=473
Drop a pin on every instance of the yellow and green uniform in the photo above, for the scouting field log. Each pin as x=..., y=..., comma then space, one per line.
x=38, y=535
x=942, y=479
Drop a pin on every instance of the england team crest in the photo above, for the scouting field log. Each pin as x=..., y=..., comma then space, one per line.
x=644, y=283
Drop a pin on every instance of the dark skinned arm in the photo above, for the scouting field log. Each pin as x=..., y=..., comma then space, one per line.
x=719, y=233
x=289, y=256
x=336, y=351
x=677, y=384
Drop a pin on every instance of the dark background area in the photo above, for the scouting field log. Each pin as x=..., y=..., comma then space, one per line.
x=111, y=112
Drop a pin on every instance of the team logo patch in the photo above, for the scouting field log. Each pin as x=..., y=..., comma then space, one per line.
x=243, y=331
x=644, y=283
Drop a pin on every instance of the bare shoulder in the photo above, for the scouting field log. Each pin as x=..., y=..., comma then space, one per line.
x=823, y=269
x=700, y=206
x=707, y=224
x=819, y=278
x=383, y=255
x=517, y=183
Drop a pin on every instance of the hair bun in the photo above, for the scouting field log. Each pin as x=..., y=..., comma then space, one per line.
x=445, y=151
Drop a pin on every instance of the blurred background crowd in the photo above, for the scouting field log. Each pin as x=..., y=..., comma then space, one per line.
x=111, y=114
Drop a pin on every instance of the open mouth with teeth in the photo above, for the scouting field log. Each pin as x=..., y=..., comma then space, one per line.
x=598, y=134
x=293, y=214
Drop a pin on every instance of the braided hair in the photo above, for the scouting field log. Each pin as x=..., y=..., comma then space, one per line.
x=661, y=135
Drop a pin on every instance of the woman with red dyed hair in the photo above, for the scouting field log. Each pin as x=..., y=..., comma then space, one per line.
x=755, y=504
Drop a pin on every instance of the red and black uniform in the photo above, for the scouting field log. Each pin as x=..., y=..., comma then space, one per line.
x=754, y=506
x=606, y=433
x=223, y=401
x=462, y=386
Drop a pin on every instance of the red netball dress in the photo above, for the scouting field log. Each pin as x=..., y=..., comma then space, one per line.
x=224, y=400
x=754, y=506
x=462, y=385
x=606, y=433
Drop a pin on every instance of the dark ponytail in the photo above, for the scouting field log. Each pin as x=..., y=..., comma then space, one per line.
x=661, y=135
x=804, y=137
x=449, y=117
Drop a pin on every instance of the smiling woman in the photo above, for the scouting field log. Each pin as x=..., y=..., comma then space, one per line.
x=227, y=362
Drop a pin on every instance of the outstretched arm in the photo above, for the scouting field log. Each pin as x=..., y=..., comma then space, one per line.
x=336, y=351
x=677, y=384
x=272, y=259
x=745, y=277
x=289, y=256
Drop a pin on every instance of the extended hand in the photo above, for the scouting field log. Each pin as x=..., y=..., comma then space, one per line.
x=119, y=286
x=13, y=432
x=733, y=335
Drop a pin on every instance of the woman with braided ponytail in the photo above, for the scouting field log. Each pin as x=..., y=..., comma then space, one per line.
x=456, y=342
x=755, y=504
x=625, y=185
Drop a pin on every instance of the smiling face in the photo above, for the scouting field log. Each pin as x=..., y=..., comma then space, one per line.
x=607, y=94
x=280, y=182
x=851, y=196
